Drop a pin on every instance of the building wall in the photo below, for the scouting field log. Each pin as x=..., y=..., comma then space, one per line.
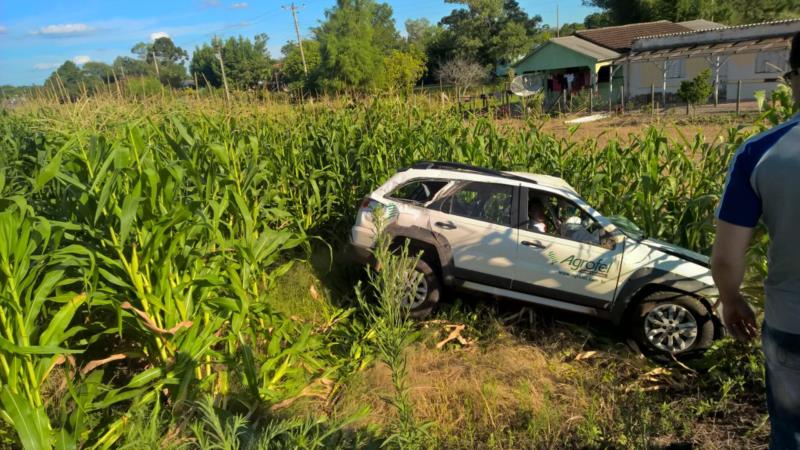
x=644, y=74
x=743, y=67
x=641, y=75
x=552, y=56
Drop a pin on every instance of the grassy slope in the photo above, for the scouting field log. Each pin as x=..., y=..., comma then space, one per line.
x=531, y=378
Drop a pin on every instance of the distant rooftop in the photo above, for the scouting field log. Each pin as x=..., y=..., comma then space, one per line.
x=586, y=47
x=701, y=24
x=620, y=38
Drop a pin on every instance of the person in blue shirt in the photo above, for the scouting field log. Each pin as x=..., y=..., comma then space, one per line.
x=763, y=185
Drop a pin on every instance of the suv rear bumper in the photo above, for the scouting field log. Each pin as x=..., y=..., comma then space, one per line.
x=361, y=241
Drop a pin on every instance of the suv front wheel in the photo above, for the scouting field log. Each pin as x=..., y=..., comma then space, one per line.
x=427, y=292
x=671, y=322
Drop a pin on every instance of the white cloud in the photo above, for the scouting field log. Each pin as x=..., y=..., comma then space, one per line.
x=240, y=5
x=158, y=34
x=81, y=59
x=46, y=66
x=3, y=29
x=66, y=29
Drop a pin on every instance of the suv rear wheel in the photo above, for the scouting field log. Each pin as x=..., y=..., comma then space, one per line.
x=427, y=293
x=674, y=323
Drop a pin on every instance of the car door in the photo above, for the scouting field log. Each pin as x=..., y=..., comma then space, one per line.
x=475, y=220
x=564, y=253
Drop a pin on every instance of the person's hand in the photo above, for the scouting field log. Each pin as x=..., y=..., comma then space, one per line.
x=739, y=318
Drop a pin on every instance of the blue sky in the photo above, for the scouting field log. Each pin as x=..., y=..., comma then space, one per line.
x=36, y=36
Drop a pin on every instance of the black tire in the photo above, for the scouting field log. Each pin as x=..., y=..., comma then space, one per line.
x=664, y=324
x=434, y=290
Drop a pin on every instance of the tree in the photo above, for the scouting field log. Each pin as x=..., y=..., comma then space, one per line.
x=697, y=90
x=125, y=66
x=462, y=73
x=620, y=12
x=162, y=49
x=420, y=33
x=353, y=39
x=490, y=32
x=97, y=74
x=69, y=77
x=293, y=71
x=167, y=56
x=403, y=70
x=247, y=63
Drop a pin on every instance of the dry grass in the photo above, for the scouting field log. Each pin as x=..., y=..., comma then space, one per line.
x=551, y=388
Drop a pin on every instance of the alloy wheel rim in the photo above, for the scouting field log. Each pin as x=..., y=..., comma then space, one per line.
x=671, y=328
x=420, y=294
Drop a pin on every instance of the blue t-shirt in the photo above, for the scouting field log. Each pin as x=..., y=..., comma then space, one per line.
x=763, y=183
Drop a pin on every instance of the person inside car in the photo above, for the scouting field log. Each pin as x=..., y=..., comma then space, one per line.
x=536, y=215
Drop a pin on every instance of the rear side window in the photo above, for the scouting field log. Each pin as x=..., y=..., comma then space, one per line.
x=482, y=201
x=418, y=191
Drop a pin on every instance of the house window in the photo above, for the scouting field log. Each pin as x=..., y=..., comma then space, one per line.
x=770, y=62
x=674, y=68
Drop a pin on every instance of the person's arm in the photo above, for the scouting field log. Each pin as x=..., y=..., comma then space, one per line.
x=728, y=263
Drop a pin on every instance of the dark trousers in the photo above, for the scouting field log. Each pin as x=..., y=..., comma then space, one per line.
x=782, y=352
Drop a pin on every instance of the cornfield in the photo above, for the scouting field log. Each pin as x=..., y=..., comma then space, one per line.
x=138, y=243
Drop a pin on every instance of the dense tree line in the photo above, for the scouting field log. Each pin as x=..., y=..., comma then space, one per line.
x=730, y=12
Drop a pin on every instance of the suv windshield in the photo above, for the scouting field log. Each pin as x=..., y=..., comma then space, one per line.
x=626, y=226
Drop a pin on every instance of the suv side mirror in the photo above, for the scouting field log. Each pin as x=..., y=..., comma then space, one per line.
x=608, y=240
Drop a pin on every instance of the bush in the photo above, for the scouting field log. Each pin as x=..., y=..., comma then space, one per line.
x=697, y=90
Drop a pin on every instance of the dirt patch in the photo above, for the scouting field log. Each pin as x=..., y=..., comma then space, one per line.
x=621, y=128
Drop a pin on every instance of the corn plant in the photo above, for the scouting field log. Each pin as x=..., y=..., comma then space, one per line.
x=393, y=281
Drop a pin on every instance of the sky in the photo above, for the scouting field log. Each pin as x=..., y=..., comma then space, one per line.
x=36, y=36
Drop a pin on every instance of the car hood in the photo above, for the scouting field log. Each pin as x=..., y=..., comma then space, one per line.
x=678, y=252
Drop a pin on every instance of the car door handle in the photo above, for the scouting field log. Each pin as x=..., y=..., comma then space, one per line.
x=536, y=244
x=446, y=225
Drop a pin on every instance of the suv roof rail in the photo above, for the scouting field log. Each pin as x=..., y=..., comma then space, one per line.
x=467, y=168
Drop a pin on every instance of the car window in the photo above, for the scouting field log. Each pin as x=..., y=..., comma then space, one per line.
x=556, y=216
x=482, y=201
x=418, y=191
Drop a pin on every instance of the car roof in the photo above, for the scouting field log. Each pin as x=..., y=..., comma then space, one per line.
x=546, y=180
x=462, y=169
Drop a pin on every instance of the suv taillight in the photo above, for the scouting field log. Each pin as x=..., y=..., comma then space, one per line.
x=365, y=202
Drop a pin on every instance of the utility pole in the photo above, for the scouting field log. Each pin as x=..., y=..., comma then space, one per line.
x=294, y=9
x=558, y=24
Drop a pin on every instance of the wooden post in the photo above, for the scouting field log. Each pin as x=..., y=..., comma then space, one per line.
x=591, y=100
x=664, y=86
x=738, y=96
x=716, y=82
x=653, y=98
x=622, y=98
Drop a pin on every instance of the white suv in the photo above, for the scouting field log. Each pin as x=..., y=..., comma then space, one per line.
x=533, y=238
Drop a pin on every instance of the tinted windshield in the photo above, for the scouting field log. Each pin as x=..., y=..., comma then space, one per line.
x=626, y=226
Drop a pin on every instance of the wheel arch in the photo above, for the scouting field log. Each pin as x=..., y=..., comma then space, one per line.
x=649, y=280
x=435, y=249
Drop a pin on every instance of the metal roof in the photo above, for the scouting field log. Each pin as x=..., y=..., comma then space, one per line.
x=620, y=38
x=707, y=50
x=585, y=47
x=726, y=28
x=701, y=24
x=750, y=38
